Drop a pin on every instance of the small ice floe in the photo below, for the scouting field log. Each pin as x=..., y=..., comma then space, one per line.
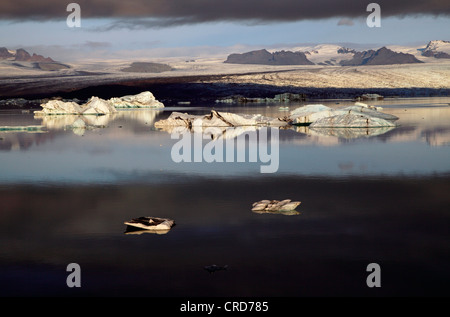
x=214, y=268
x=149, y=224
x=275, y=206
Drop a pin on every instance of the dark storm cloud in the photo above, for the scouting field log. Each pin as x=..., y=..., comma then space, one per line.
x=168, y=12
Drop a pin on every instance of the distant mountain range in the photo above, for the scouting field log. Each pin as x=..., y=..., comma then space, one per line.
x=21, y=55
x=20, y=58
x=327, y=54
x=382, y=56
x=321, y=54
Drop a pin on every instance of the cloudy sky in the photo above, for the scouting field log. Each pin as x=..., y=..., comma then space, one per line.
x=170, y=28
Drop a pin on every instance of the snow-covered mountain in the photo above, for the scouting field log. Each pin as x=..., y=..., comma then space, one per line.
x=437, y=49
x=336, y=55
x=331, y=54
x=323, y=54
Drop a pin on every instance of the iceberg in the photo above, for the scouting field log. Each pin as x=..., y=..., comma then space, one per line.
x=94, y=106
x=98, y=106
x=217, y=119
x=142, y=100
x=315, y=116
x=309, y=114
x=274, y=206
x=351, y=120
x=149, y=224
x=59, y=107
x=371, y=111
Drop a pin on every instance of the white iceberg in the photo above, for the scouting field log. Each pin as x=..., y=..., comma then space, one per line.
x=98, y=106
x=351, y=120
x=94, y=106
x=217, y=119
x=59, y=107
x=367, y=106
x=371, y=111
x=142, y=100
x=309, y=114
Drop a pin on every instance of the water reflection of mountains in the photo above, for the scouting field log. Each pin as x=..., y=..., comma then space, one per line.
x=435, y=132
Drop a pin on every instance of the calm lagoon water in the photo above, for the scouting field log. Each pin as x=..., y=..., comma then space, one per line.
x=374, y=196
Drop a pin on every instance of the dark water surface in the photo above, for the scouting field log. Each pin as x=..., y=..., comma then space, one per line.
x=382, y=198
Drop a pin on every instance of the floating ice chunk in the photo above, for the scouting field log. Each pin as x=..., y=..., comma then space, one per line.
x=150, y=224
x=177, y=119
x=217, y=119
x=273, y=206
x=144, y=99
x=94, y=106
x=311, y=113
x=307, y=114
x=371, y=111
x=304, y=110
x=367, y=106
x=351, y=120
x=60, y=107
x=98, y=106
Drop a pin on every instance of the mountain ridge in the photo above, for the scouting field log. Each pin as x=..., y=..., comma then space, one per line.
x=382, y=56
x=21, y=55
x=264, y=57
x=437, y=49
x=335, y=55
